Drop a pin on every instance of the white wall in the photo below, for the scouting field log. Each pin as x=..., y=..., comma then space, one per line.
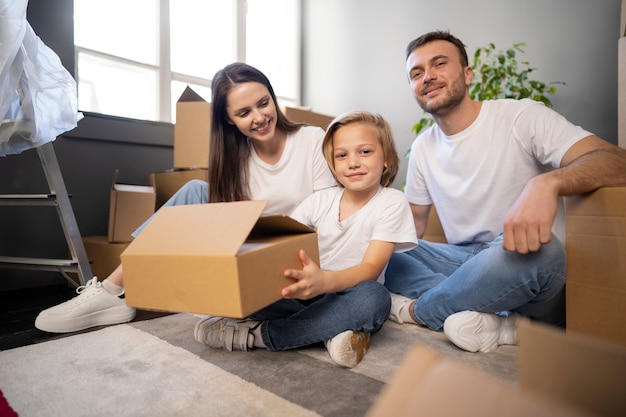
x=353, y=52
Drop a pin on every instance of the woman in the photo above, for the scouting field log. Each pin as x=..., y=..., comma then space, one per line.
x=255, y=153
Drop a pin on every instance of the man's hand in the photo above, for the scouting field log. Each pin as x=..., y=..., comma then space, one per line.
x=310, y=280
x=528, y=224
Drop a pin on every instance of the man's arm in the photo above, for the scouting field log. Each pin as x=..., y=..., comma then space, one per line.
x=420, y=218
x=589, y=164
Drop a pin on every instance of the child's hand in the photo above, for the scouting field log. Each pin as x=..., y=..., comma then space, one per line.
x=310, y=280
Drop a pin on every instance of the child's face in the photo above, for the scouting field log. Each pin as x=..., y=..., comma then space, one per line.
x=358, y=157
x=250, y=107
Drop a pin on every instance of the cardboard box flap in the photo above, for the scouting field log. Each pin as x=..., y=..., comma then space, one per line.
x=217, y=228
x=190, y=95
x=572, y=368
x=278, y=225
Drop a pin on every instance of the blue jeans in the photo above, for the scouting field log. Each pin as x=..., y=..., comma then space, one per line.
x=193, y=192
x=289, y=324
x=445, y=279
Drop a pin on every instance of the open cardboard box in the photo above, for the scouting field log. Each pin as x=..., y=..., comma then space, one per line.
x=221, y=259
x=192, y=131
x=130, y=206
x=560, y=374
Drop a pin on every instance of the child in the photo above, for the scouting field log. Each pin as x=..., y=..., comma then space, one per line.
x=359, y=225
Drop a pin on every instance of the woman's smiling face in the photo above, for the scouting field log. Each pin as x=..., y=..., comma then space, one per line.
x=251, y=109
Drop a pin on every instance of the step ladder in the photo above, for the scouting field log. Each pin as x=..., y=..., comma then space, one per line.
x=58, y=198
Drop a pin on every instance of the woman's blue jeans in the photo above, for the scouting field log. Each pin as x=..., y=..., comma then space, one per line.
x=193, y=192
x=289, y=324
x=445, y=279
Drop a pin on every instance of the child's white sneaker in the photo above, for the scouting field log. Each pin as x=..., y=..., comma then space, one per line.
x=348, y=348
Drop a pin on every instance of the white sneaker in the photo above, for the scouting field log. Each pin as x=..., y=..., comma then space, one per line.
x=348, y=348
x=94, y=306
x=226, y=333
x=398, y=303
x=484, y=332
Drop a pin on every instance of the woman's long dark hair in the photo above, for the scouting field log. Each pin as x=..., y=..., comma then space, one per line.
x=229, y=151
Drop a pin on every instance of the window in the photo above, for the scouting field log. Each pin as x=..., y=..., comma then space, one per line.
x=135, y=58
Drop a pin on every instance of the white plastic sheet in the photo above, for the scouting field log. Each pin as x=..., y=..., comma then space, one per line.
x=38, y=98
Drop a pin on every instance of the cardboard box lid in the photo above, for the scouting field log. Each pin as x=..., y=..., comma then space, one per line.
x=216, y=228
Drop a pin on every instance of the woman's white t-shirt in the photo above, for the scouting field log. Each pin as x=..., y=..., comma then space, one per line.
x=301, y=170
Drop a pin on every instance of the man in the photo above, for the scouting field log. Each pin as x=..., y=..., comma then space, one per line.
x=496, y=171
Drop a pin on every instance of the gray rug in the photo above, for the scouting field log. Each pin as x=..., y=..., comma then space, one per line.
x=156, y=368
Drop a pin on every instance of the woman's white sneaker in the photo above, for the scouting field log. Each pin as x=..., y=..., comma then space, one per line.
x=484, y=332
x=94, y=306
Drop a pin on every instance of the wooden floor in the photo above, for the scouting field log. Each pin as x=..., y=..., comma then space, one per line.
x=19, y=308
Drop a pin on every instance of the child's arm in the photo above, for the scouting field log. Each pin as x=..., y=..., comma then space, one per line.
x=312, y=281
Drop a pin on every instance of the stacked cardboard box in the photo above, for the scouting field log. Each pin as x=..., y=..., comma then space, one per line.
x=596, y=264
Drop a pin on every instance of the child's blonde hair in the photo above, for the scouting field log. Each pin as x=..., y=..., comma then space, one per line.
x=385, y=138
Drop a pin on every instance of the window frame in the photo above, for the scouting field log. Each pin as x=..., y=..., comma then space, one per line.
x=165, y=75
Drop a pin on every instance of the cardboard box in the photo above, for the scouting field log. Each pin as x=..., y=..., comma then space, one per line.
x=572, y=369
x=220, y=259
x=621, y=93
x=166, y=183
x=560, y=374
x=596, y=264
x=130, y=206
x=306, y=116
x=192, y=131
x=429, y=384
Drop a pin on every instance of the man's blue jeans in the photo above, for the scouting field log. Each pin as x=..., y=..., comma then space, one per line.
x=289, y=324
x=445, y=279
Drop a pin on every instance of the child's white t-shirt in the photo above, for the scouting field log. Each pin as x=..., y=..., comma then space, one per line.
x=301, y=170
x=342, y=244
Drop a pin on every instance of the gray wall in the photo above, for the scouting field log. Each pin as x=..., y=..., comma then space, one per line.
x=355, y=50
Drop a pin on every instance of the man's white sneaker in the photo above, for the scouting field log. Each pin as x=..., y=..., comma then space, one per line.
x=348, y=348
x=94, y=306
x=399, y=308
x=484, y=332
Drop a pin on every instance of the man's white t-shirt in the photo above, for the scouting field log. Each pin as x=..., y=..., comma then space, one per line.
x=301, y=170
x=474, y=177
x=342, y=244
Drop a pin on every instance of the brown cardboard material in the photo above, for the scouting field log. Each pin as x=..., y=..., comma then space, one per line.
x=219, y=259
x=428, y=384
x=573, y=369
x=306, y=116
x=192, y=131
x=596, y=264
x=130, y=206
x=103, y=256
x=166, y=183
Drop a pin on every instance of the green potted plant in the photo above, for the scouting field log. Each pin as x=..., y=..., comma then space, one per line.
x=498, y=74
